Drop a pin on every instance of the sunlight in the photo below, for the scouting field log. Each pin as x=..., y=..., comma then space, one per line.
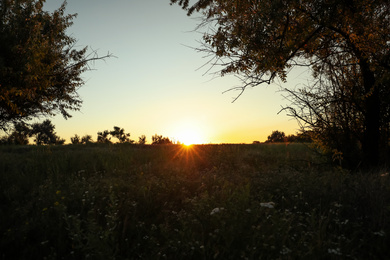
x=189, y=133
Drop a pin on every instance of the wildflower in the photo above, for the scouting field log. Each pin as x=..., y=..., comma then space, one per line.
x=269, y=205
x=248, y=210
x=334, y=251
x=43, y=210
x=216, y=210
x=58, y=192
x=337, y=205
x=56, y=203
x=380, y=233
x=285, y=251
x=44, y=242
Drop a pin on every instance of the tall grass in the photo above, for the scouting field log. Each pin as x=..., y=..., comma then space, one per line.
x=171, y=202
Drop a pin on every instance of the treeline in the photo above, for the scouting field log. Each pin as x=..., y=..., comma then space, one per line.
x=44, y=134
x=280, y=137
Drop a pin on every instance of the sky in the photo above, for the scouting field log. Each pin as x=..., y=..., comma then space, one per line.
x=157, y=84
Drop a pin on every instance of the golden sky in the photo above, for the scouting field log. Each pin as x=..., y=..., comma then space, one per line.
x=156, y=84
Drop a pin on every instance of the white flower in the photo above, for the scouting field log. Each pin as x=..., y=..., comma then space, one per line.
x=269, y=205
x=216, y=210
x=285, y=251
x=334, y=251
x=380, y=233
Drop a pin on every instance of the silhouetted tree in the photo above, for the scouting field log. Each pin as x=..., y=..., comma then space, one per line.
x=159, y=139
x=120, y=134
x=19, y=135
x=44, y=133
x=142, y=140
x=39, y=67
x=345, y=43
x=86, y=139
x=102, y=137
x=75, y=140
x=276, y=137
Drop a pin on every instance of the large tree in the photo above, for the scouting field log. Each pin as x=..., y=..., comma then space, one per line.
x=39, y=67
x=263, y=40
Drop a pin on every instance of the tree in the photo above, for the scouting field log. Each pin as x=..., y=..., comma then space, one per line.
x=44, y=133
x=276, y=137
x=142, y=140
x=19, y=135
x=39, y=67
x=86, y=139
x=121, y=135
x=159, y=139
x=103, y=137
x=263, y=40
x=75, y=139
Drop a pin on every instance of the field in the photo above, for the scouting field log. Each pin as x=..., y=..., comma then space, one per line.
x=203, y=202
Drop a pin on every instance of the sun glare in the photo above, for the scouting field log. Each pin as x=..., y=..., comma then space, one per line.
x=189, y=134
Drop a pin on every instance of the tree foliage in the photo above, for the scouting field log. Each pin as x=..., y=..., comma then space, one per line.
x=118, y=133
x=346, y=44
x=142, y=140
x=276, y=137
x=40, y=70
x=159, y=139
x=86, y=139
x=76, y=139
x=103, y=137
x=19, y=135
x=44, y=133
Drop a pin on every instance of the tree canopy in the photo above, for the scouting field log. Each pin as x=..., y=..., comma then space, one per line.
x=276, y=136
x=346, y=44
x=39, y=67
x=159, y=139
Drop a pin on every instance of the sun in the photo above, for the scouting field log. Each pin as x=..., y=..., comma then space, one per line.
x=189, y=133
x=189, y=138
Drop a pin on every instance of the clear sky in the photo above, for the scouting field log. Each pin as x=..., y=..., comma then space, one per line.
x=155, y=86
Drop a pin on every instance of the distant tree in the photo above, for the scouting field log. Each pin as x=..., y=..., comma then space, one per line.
x=19, y=135
x=159, y=139
x=39, y=67
x=120, y=134
x=86, y=139
x=44, y=133
x=256, y=142
x=142, y=140
x=75, y=139
x=102, y=137
x=276, y=137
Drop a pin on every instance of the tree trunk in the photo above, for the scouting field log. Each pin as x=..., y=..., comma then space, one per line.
x=372, y=120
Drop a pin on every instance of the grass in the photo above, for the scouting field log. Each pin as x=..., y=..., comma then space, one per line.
x=171, y=202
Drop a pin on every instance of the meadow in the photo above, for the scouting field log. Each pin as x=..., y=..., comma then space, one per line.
x=122, y=201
